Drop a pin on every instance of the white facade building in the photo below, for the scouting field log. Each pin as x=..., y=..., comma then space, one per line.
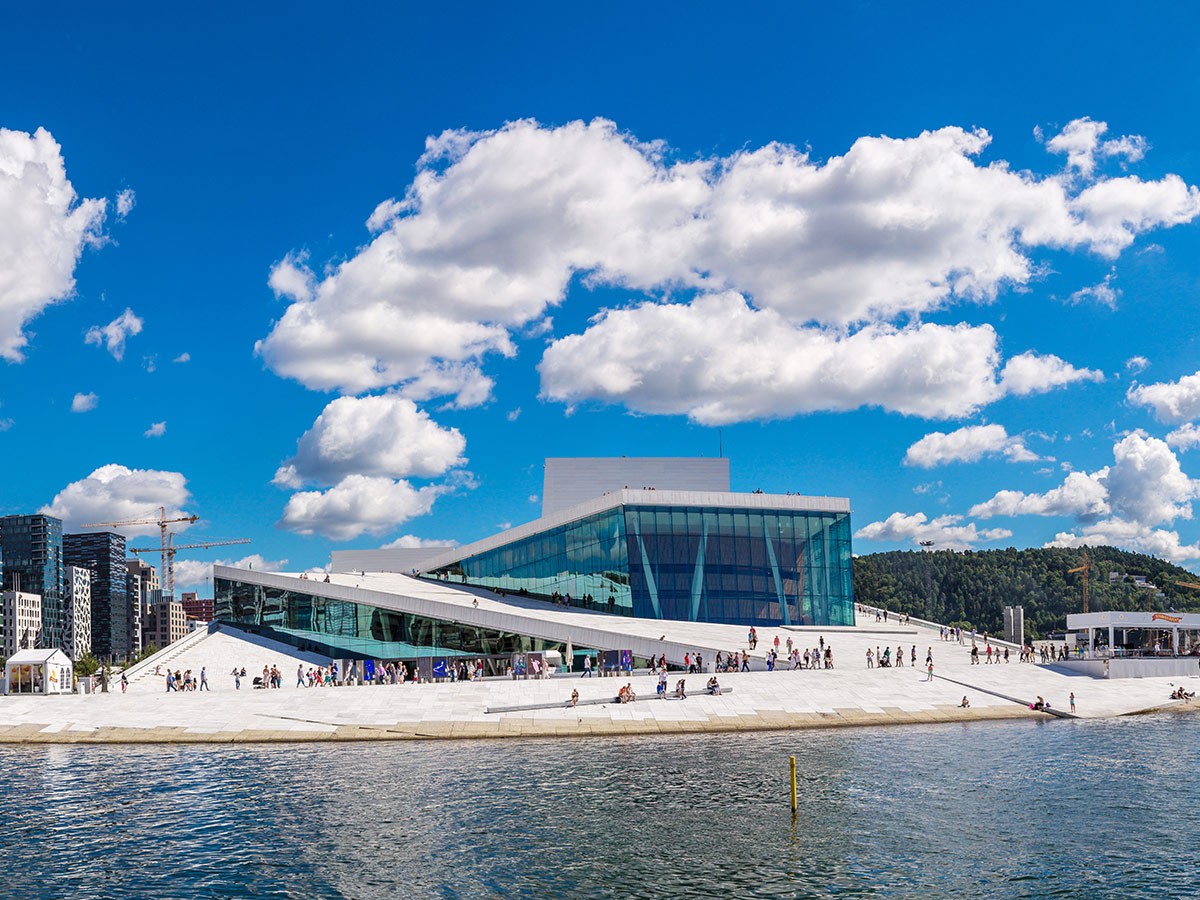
x=567, y=481
x=22, y=620
x=77, y=611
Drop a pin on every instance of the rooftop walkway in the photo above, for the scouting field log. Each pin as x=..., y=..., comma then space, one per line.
x=848, y=695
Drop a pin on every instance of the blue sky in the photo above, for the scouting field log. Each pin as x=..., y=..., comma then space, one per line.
x=792, y=215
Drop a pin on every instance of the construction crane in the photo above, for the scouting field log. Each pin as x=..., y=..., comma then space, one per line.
x=162, y=522
x=1188, y=584
x=169, y=553
x=1087, y=564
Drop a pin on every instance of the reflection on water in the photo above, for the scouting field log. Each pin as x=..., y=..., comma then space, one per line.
x=1012, y=809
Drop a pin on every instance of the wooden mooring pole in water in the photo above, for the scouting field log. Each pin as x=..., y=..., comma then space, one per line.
x=793, y=785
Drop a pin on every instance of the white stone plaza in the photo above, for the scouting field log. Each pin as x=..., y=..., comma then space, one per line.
x=847, y=695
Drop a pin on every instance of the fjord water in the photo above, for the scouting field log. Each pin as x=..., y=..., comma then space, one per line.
x=1002, y=809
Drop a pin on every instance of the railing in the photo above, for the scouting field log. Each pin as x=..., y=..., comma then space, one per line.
x=936, y=626
x=168, y=652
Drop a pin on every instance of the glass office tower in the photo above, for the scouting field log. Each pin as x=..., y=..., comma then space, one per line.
x=103, y=553
x=31, y=548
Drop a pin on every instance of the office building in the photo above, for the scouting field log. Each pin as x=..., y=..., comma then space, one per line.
x=197, y=607
x=31, y=555
x=103, y=554
x=163, y=621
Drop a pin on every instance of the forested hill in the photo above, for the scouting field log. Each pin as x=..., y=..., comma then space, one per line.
x=972, y=588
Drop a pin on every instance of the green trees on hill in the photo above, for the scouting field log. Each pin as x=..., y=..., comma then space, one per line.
x=973, y=587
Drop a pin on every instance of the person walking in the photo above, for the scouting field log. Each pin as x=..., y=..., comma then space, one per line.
x=929, y=677
x=237, y=679
x=170, y=681
x=124, y=682
x=587, y=666
x=300, y=675
x=1072, y=701
x=204, y=679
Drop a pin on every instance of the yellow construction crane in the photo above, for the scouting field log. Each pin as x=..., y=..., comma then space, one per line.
x=162, y=522
x=1188, y=584
x=1087, y=564
x=170, y=554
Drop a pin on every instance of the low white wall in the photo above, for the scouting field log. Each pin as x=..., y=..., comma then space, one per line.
x=1131, y=667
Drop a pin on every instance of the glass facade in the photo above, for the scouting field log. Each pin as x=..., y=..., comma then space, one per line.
x=705, y=564
x=31, y=555
x=341, y=630
x=103, y=554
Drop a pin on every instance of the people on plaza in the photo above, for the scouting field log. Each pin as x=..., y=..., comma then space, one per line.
x=713, y=686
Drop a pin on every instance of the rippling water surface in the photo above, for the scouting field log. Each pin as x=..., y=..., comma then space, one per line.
x=1020, y=809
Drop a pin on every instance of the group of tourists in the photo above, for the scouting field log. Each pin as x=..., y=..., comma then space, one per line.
x=881, y=615
x=989, y=656
x=884, y=659
x=180, y=681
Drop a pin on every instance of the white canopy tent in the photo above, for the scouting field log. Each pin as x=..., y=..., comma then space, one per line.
x=38, y=672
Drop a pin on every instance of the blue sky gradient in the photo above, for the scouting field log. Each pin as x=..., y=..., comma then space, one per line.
x=251, y=133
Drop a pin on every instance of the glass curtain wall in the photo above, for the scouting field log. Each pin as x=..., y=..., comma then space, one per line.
x=583, y=563
x=705, y=564
x=743, y=566
x=354, y=630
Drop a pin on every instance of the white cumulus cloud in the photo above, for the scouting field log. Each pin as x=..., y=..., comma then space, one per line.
x=1171, y=401
x=358, y=504
x=729, y=363
x=193, y=573
x=44, y=228
x=1185, y=437
x=1033, y=373
x=496, y=224
x=947, y=532
x=1143, y=488
x=412, y=542
x=1081, y=141
x=1080, y=495
x=381, y=435
x=967, y=444
x=158, y=429
x=84, y=402
x=1130, y=536
x=116, y=493
x=113, y=334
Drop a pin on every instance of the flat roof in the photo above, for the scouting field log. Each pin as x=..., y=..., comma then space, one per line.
x=630, y=497
x=1080, y=621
